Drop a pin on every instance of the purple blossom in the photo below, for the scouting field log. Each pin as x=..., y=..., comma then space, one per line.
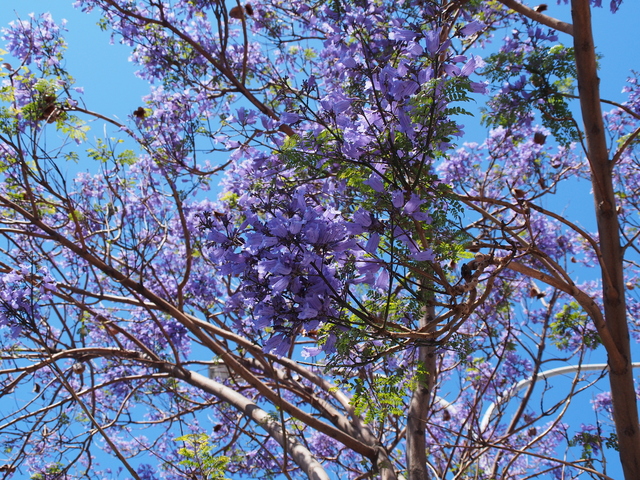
x=472, y=27
x=375, y=182
x=297, y=257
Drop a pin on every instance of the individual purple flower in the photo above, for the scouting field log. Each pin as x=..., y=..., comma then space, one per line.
x=402, y=35
x=424, y=256
x=278, y=344
x=472, y=27
x=372, y=243
x=433, y=41
x=382, y=282
x=397, y=198
x=413, y=204
x=375, y=182
x=289, y=118
x=309, y=352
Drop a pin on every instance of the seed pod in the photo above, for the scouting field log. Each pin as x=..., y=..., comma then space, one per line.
x=541, y=8
x=518, y=193
x=50, y=111
x=237, y=12
x=535, y=292
x=539, y=138
x=140, y=112
x=465, y=272
x=249, y=9
x=111, y=330
x=474, y=247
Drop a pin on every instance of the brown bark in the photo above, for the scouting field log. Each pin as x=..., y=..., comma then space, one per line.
x=538, y=17
x=625, y=411
x=419, y=409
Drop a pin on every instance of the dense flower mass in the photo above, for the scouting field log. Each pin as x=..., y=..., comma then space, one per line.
x=291, y=260
x=37, y=40
x=22, y=294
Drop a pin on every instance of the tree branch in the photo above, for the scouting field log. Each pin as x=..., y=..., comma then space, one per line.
x=300, y=454
x=539, y=17
x=625, y=410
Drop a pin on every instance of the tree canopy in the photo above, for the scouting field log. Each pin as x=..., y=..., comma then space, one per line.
x=288, y=262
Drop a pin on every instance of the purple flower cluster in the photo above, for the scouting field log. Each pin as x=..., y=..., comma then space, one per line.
x=23, y=294
x=289, y=233
x=338, y=234
x=288, y=261
x=37, y=40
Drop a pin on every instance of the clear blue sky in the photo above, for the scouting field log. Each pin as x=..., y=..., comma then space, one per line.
x=101, y=68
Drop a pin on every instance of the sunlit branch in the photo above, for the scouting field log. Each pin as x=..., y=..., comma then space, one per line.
x=539, y=17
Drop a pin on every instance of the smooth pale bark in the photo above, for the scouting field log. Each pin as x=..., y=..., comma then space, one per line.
x=419, y=410
x=298, y=452
x=375, y=452
x=625, y=411
x=353, y=427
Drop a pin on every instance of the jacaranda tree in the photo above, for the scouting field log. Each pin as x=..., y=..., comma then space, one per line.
x=288, y=263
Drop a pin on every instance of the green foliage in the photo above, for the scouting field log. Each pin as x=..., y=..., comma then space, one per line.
x=45, y=107
x=52, y=471
x=571, y=321
x=632, y=139
x=588, y=441
x=305, y=154
x=71, y=157
x=462, y=345
x=376, y=396
x=539, y=78
x=199, y=460
x=591, y=443
x=105, y=152
x=73, y=127
x=474, y=370
x=425, y=104
x=612, y=441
